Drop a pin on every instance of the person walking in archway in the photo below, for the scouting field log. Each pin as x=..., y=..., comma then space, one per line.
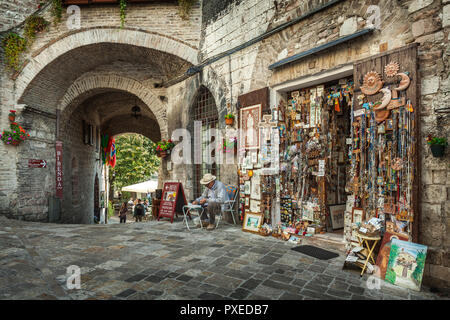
x=139, y=211
x=123, y=213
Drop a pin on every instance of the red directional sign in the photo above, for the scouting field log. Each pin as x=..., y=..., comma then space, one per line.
x=35, y=163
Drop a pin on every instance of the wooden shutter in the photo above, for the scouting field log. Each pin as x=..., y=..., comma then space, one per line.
x=407, y=59
x=260, y=96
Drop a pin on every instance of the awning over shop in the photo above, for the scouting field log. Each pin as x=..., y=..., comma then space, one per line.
x=143, y=187
x=301, y=55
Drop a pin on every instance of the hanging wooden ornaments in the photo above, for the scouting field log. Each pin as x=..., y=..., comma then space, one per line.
x=382, y=150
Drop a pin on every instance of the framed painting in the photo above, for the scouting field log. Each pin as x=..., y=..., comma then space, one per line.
x=337, y=216
x=247, y=187
x=357, y=215
x=255, y=192
x=308, y=213
x=255, y=205
x=252, y=222
x=406, y=264
x=247, y=202
x=249, y=118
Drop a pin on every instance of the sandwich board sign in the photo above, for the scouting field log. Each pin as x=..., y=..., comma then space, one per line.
x=173, y=200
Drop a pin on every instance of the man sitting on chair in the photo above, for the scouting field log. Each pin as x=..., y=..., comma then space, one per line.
x=212, y=200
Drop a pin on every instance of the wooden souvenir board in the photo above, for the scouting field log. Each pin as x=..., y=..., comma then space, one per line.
x=407, y=59
x=173, y=200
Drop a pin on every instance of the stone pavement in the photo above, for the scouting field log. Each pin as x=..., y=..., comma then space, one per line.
x=159, y=260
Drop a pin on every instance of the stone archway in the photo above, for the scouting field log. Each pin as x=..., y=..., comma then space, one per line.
x=87, y=86
x=85, y=37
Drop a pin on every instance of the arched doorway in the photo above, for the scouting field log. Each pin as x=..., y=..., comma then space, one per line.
x=205, y=110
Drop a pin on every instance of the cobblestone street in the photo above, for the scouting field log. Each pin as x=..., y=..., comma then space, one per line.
x=159, y=260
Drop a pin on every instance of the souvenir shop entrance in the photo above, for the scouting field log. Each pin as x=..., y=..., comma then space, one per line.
x=343, y=145
x=314, y=124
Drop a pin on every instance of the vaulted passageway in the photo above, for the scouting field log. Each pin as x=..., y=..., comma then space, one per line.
x=89, y=91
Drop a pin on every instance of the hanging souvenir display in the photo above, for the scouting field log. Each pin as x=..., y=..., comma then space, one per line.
x=335, y=153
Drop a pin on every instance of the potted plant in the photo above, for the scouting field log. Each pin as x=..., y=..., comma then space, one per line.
x=229, y=119
x=163, y=148
x=15, y=136
x=12, y=115
x=437, y=145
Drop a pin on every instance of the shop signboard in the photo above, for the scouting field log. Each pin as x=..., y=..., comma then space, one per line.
x=173, y=200
x=36, y=163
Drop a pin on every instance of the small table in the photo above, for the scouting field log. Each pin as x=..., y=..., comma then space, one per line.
x=364, y=240
x=187, y=212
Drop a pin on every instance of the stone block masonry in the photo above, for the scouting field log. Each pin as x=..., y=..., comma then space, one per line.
x=13, y=12
x=213, y=28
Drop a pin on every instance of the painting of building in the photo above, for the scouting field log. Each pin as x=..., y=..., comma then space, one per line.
x=406, y=264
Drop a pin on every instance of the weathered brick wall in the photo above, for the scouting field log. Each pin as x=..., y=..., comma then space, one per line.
x=152, y=26
x=13, y=12
x=78, y=206
x=35, y=185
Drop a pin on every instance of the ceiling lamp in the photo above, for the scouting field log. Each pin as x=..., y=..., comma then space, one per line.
x=136, y=111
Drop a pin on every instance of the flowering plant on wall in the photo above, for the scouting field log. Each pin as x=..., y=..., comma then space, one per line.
x=14, y=45
x=435, y=140
x=15, y=136
x=229, y=119
x=164, y=145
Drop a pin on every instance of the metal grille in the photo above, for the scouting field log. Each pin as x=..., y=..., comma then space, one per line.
x=205, y=110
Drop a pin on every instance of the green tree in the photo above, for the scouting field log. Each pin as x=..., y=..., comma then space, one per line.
x=136, y=160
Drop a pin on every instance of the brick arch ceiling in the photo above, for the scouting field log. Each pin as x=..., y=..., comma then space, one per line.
x=90, y=86
x=87, y=37
x=143, y=125
x=51, y=71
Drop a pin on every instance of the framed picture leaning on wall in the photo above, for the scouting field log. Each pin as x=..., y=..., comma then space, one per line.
x=252, y=222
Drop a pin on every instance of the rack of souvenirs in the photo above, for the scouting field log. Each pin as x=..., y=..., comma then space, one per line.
x=336, y=148
x=300, y=163
x=334, y=157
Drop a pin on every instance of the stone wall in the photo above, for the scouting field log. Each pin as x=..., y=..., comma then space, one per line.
x=425, y=22
x=62, y=67
x=80, y=166
x=223, y=25
x=14, y=12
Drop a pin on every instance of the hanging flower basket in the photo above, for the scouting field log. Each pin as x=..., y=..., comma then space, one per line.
x=163, y=148
x=15, y=136
x=437, y=146
x=16, y=142
x=164, y=154
x=229, y=119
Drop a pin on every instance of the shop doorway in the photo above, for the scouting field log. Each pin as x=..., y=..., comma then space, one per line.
x=315, y=113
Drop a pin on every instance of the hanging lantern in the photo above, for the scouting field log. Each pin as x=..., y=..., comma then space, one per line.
x=136, y=112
